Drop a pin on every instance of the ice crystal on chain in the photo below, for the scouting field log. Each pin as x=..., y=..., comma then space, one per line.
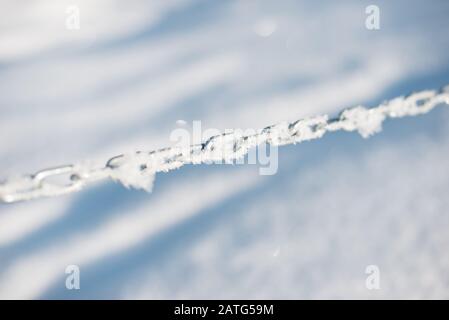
x=137, y=170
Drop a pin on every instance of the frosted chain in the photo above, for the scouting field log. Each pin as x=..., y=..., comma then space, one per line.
x=138, y=169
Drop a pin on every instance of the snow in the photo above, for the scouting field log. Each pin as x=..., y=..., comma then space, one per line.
x=337, y=204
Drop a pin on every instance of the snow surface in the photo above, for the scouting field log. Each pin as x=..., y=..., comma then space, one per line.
x=133, y=71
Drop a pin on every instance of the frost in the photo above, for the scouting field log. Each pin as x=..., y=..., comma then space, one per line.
x=133, y=172
x=309, y=129
x=279, y=134
x=138, y=170
x=367, y=122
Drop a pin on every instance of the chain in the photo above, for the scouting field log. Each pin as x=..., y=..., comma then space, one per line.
x=138, y=169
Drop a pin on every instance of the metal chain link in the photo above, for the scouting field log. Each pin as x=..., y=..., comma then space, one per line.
x=138, y=169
